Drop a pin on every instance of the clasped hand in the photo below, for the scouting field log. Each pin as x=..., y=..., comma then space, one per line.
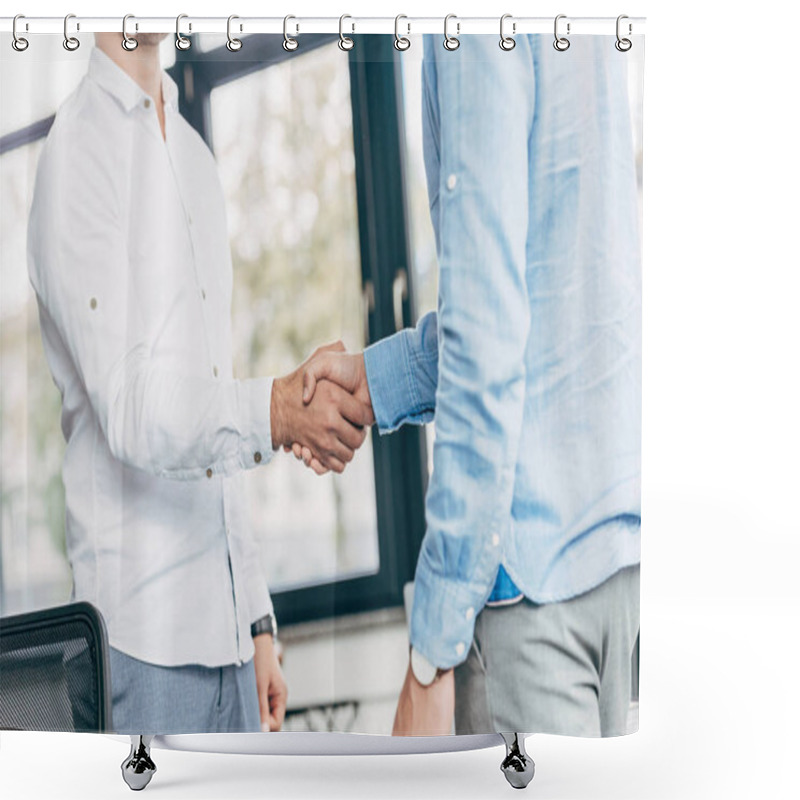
x=322, y=410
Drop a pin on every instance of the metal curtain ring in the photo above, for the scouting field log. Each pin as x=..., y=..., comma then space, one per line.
x=289, y=44
x=401, y=43
x=233, y=44
x=19, y=43
x=507, y=42
x=181, y=42
x=345, y=42
x=71, y=43
x=451, y=42
x=128, y=42
x=561, y=43
x=623, y=45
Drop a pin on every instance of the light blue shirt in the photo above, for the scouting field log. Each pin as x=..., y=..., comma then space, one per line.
x=533, y=362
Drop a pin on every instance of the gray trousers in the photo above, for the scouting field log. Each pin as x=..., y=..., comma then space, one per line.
x=147, y=698
x=562, y=668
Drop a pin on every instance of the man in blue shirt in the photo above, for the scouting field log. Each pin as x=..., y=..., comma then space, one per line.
x=527, y=579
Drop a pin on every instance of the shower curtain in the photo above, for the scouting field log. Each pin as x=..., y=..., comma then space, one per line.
x=321, y=374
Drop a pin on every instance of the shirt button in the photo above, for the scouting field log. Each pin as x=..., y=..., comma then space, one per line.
x=495, y=540
x=189, y=218
x=216, y=372
x=452, y=180
x=460, y=649
x=209, y=472
x=203, y=292
x=470, y=613
x=257, y=458
x=93, y=303
x=147, y=102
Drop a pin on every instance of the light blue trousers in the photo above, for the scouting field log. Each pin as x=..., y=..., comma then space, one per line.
x=150, y=699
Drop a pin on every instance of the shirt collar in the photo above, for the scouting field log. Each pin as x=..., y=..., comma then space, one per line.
x=120, y=85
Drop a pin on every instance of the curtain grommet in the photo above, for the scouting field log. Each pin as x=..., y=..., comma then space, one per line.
x=71, y=43
x=290, y=44
x=181, y=42
x=19, y=43
x=623, y=44
x=401, y=43
x=507, y=43
x=345, y=42
x=451, y=43
x=129, y=43
x=561, y=43
x=233, y=44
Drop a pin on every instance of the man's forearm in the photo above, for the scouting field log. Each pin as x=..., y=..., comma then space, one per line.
x=277, y=412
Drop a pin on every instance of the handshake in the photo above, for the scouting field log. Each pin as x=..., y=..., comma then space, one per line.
x=321, y=411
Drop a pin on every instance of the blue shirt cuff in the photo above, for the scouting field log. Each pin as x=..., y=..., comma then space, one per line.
x=391, y=382
x=443, y=615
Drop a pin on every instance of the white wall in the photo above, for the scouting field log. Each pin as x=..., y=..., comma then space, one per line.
x=361, y=658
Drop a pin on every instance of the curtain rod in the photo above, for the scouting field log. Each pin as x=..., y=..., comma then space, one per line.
x=298, y=25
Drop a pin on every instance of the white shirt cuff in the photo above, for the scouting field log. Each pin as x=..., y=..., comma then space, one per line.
x=256, y=430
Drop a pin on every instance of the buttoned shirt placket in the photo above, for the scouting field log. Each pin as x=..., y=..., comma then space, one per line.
x=201, y=293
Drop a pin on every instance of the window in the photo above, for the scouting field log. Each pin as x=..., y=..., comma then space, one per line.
x=283, y=142
x=33, y=568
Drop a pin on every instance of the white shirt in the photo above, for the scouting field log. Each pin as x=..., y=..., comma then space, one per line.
x=130, y=262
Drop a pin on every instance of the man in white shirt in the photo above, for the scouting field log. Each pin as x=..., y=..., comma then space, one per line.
x=130, y=262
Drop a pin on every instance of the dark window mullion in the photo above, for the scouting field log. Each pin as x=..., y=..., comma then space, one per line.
x=380, y=174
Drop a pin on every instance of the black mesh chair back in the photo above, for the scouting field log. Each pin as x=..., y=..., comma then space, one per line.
x=54, y=670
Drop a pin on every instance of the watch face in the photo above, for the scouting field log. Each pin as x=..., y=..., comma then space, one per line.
x=423, y=670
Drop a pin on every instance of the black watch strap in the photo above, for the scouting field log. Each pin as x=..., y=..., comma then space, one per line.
x=264, y=625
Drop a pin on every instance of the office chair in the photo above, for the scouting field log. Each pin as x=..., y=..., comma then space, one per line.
x=54, y=670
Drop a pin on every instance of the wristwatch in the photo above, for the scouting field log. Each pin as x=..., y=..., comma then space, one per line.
x=264, y=625
x=425, y=672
